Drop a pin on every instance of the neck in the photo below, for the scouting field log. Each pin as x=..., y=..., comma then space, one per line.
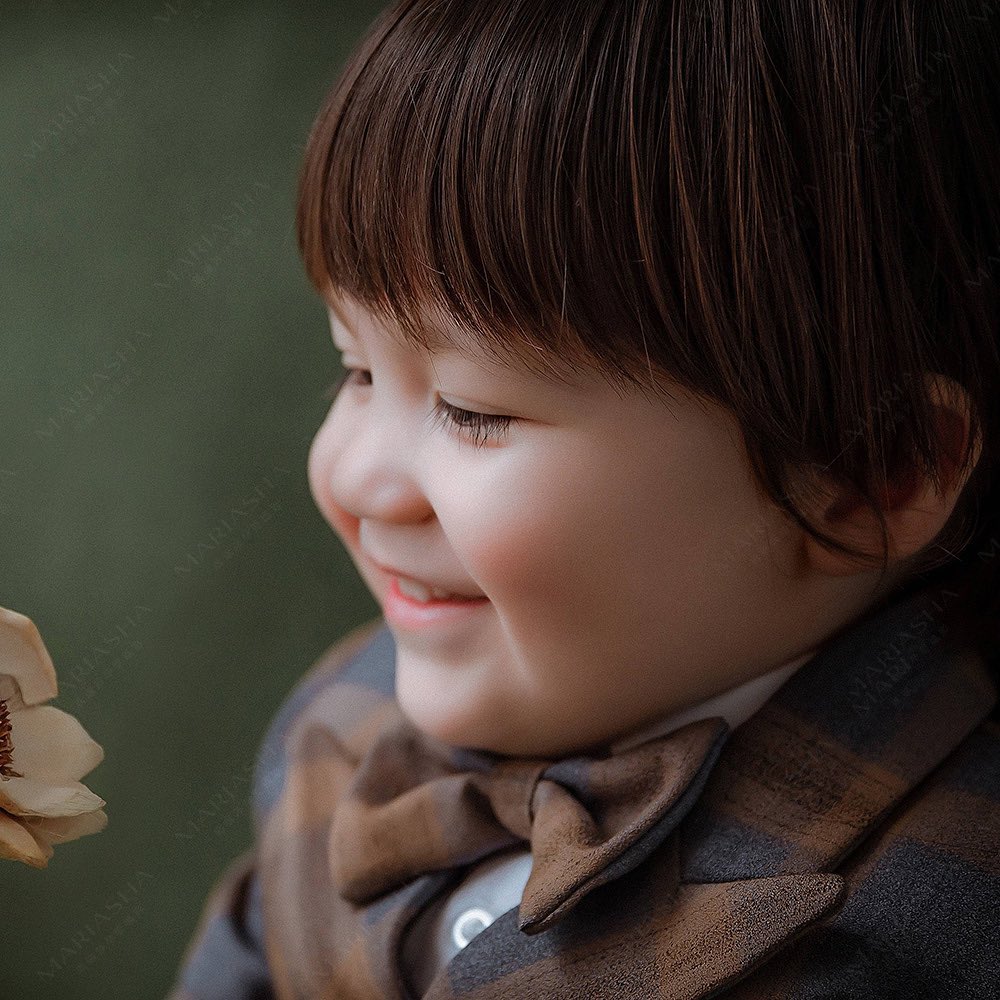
x=735, y=705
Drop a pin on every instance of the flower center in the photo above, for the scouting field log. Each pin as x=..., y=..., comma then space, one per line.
x=6, y=745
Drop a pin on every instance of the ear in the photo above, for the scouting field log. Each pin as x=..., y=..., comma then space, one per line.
x=915, y=512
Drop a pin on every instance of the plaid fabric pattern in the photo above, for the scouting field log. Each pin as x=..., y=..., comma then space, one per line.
x=845, y=844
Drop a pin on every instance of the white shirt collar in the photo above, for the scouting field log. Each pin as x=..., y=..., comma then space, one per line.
x=735, y=705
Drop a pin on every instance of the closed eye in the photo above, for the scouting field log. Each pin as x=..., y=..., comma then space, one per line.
x=482, y=427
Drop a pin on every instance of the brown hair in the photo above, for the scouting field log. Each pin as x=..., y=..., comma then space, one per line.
x=789, y=207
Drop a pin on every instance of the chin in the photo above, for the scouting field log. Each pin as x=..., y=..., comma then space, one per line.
x=431, y=721
x=433, y=717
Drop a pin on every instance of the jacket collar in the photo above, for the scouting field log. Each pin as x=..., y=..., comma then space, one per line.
x=842, y=742
x=735, y=705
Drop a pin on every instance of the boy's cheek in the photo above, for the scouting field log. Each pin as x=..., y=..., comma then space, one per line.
x=318, y=468
x=505, y=549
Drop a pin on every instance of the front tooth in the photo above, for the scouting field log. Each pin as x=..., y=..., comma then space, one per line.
x=415, y=590
x=419, y=592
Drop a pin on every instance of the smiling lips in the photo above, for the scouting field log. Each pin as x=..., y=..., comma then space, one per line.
x=419, y=590
x=411, y=613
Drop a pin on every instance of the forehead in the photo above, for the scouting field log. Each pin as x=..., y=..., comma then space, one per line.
x=351, y=317
x=444, y=337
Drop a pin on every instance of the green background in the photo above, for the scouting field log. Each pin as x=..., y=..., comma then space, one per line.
x=163, y=373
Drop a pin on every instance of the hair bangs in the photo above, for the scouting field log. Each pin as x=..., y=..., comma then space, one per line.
x=457, y=186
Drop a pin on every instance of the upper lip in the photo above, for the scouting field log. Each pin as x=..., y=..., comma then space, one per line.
x=392, y=571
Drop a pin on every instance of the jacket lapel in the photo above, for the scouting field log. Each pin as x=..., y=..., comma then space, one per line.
x=840, y=744
x=796, y=789
x=628, y=938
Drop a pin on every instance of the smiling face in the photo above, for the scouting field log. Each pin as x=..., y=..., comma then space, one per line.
x=630, y=564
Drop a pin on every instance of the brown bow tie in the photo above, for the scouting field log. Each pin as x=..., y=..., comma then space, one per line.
x=416, y=805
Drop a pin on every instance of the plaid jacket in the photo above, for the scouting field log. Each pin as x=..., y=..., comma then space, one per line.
x=846, y=844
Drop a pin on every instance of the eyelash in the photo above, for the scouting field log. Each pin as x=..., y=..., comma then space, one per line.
x=484, y=426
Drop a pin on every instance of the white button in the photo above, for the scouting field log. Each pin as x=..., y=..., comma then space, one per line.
x=469, y=924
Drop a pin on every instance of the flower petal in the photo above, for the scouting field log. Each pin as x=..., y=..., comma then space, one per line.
x=10, y=692
x=30, y=797
x=61, y=829
x=24, y=657
x=18, y=844
x=51, y=745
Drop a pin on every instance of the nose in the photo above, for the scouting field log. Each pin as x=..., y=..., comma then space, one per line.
x=370, y=466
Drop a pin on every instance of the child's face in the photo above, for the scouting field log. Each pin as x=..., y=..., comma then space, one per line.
x=631, y=566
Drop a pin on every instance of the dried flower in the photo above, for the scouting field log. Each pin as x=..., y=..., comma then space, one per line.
x=44, y=752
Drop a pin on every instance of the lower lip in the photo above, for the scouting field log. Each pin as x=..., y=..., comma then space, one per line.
x=408, y=613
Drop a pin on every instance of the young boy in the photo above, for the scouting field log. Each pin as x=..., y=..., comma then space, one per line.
x=668, y=444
